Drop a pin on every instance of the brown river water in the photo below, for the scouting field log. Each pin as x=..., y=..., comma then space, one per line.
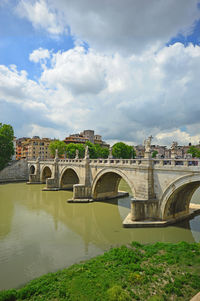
x=40, y=232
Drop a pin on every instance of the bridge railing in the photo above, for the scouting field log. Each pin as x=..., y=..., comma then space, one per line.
x=136, y=161
x=176, y=162
x=70, y=160
x=118, y=161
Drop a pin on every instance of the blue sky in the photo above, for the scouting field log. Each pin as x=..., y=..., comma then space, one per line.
x=125, y=69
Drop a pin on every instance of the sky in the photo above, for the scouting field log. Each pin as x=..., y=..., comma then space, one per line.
x=127, y=69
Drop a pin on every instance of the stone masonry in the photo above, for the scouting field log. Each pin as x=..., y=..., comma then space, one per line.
x=161, y=188
x=18, y=171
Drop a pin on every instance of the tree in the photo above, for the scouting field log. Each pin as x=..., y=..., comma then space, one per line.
x=194, y=151
x=154, y=154
x=96, y=151
x=92, y=150
x=71, y=150
x=101, y=152
x=122, y=150
x=59, y=145
x=6, y=144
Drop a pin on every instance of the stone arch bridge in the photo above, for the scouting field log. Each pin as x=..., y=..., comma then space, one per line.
x=161, y=188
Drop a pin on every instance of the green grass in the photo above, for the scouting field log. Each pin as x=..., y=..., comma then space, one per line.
x=158, y=272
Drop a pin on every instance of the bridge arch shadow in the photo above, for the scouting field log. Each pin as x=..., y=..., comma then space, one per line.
x=68, y=178
x=45, y=174
x=32, y=169
x=176, y=198
x=106, y=183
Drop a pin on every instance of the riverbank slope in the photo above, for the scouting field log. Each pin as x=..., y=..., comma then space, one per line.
x=162, y=271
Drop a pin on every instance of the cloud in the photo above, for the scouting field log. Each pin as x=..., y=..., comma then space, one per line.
x=122, y=98
x=110, y=26
x=176, y=135
x=45, y=132
x=77, y=70
x=39, y=55
x=42, y=16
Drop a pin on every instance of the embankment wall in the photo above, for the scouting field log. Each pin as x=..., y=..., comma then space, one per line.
x=17, y=171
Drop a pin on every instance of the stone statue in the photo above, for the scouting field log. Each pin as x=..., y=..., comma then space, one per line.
x=174, y=145
x=56, y=153
x=147, y=144
x=86, y=152
x=110, y=153
x=77, y=154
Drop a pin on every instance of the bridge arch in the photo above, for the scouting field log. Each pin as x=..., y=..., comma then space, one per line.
x=106, y=182
x=32, y=169
x=68, y=178
x=45, y=173
x=177, y=196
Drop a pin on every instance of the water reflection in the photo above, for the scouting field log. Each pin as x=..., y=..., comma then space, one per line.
x=40, y=232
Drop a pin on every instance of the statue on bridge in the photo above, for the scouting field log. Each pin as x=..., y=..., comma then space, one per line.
x=56, y=153
x=173, y=149
x=174, y=145
x=110, y=153
x=77, y=154
x=147, y=144
x=86, y=152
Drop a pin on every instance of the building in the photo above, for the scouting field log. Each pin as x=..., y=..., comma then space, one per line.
x=19, y=147
x=139, y=149
x=33, y=148
x=85, y=136
x=162, y=151
x=165, y=152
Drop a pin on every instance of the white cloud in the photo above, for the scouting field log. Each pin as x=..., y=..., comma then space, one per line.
x=41, y=15
x=39, y=55
x=124, y=26
x=45, y=132
x=181, y=137
x=122, y=98
x=76, y=70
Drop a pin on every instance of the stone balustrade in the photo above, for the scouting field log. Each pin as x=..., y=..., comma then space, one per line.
x=136, y=161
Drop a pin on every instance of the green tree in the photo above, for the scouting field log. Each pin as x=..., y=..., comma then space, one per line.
x=6, y=144
x=122, y=150
x=71, y=150
x=92, y=150
x=96, y=151
x=59, y=145
x=104, y=152
x=101, y=152
x=194, y=151
x=154, y=154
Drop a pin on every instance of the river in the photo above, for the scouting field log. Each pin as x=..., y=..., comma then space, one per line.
x=40, y=232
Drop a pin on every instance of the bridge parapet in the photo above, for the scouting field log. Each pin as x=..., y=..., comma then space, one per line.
x=70, y=160
x=177, y=162
x=119, y=161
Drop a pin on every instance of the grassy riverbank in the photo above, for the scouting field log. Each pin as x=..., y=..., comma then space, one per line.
x=136, y=272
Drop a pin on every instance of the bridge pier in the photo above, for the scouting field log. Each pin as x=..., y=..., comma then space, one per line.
x=35, y=178
x=53, y=182
x=144, y=210
x=82, y=193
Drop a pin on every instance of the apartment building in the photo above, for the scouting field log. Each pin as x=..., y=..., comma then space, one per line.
x=32, y=148
x=20, y=150
x=83, y=137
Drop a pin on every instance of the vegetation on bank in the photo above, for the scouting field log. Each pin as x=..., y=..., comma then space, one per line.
x=119, y=150
x=194, y=151
x=122, y=150
x=162, y=271
x=6, y=144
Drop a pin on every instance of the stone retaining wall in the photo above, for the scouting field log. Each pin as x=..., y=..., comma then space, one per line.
x=18, y=171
